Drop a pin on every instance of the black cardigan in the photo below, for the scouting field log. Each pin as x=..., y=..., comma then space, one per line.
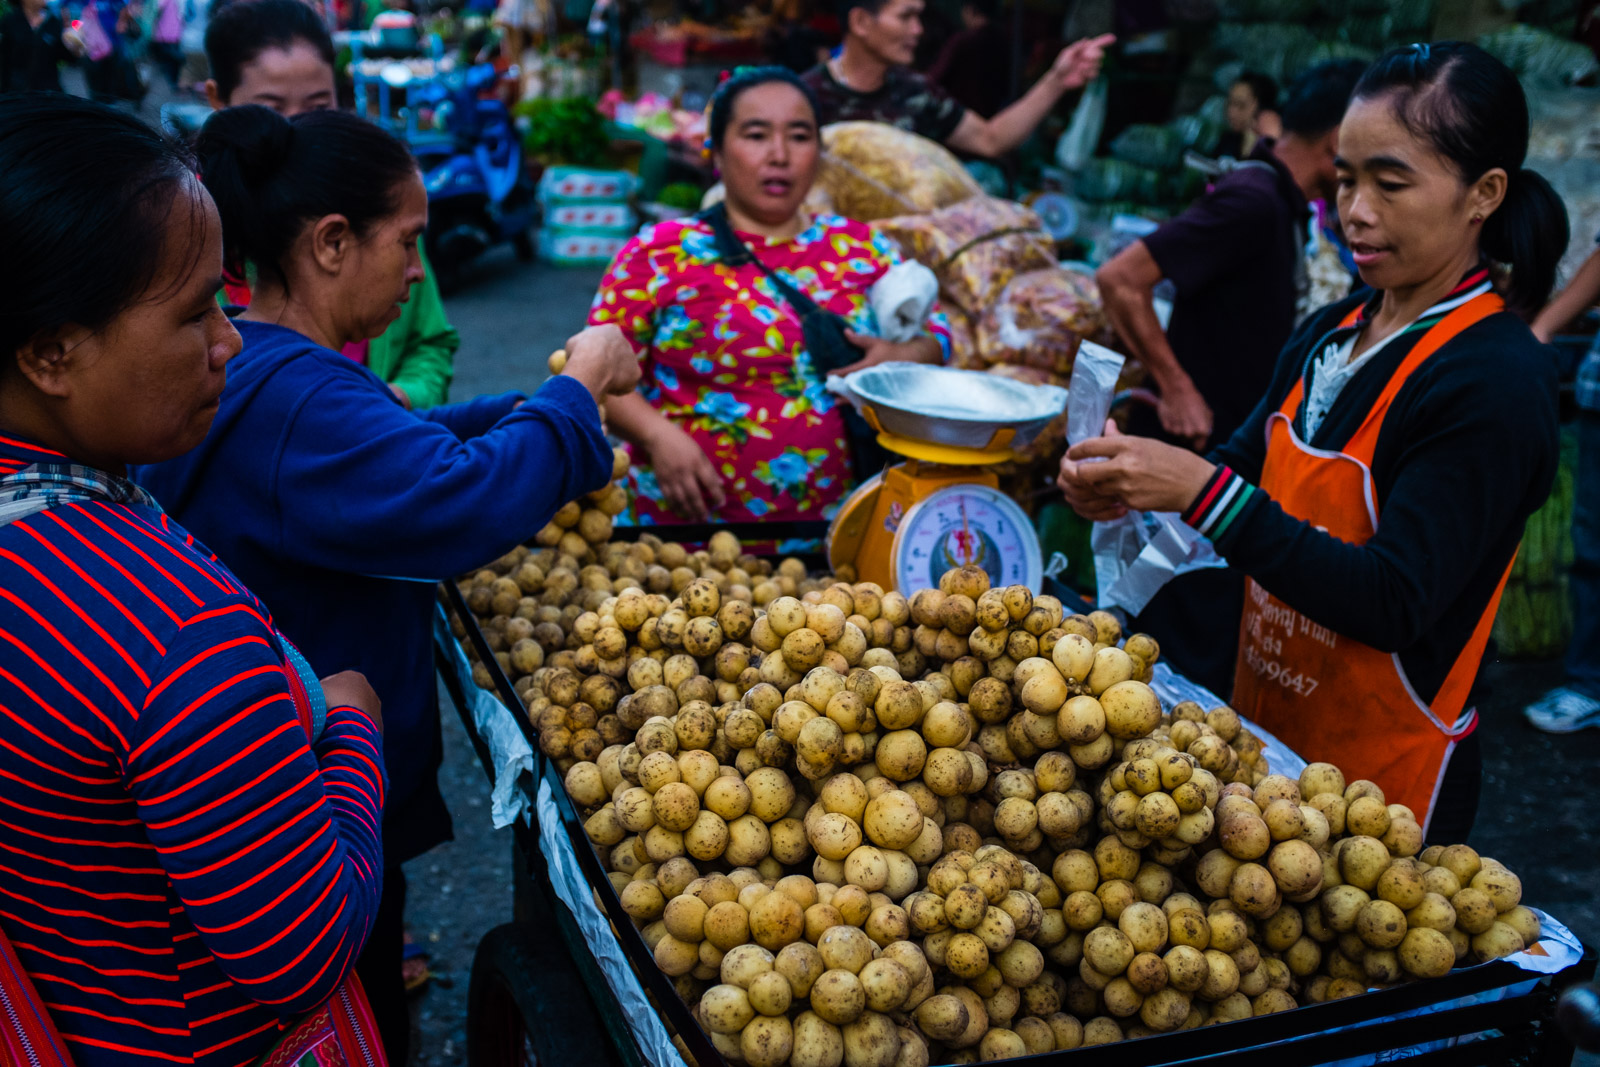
x=1468, y=451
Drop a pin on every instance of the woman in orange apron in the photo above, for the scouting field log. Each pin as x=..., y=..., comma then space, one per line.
x=1376, y=497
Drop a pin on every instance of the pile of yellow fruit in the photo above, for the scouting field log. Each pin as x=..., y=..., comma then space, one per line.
x=865, y=829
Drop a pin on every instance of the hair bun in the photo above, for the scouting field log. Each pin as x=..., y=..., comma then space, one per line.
x=270, y=176
x=257, y=139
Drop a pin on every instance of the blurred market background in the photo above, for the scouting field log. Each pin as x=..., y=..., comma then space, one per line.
x=607, y=97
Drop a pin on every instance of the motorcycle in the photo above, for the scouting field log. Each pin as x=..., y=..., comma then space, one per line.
x=479, y=192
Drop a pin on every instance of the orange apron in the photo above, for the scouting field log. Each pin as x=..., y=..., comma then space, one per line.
x=1325, y=695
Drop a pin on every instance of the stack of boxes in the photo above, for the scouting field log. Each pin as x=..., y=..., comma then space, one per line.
x=588, y=216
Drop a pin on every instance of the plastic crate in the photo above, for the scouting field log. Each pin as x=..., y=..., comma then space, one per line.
x=612, y=218
x=570, y=185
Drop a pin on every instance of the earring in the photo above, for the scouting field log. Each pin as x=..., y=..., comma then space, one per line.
x=1477, y=219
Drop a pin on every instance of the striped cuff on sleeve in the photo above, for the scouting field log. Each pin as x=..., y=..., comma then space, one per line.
x=1219, y=504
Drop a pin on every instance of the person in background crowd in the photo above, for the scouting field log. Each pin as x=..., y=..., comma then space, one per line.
x=1377, y=494
x=342, y=509
x=974, y=66
x=871, y=80
x=522, y=23
x=33, y=44
x=1235, y=258
x=115, y=76
x=1576, y=705
x=733, y=421
x=277, y=53
x=166, y=40
x=1252, y=104
x=186, y=868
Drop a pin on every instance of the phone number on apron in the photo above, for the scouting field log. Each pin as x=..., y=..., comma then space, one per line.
x=1277, y=672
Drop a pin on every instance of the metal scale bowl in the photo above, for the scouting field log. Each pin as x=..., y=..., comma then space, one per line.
x=943, y=507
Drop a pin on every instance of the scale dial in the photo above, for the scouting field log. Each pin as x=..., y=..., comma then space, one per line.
x=961, y=525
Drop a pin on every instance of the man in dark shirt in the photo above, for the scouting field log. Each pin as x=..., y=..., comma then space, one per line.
x=870, y=80
x=1234, y=257
x=33, y=45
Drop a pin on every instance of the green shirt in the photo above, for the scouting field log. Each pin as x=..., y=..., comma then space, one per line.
x=417, y=352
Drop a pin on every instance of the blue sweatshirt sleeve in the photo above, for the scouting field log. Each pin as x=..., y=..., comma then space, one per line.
x=370, y=488
x=474, y=417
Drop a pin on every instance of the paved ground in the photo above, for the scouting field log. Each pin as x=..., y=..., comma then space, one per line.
x=1538, y=815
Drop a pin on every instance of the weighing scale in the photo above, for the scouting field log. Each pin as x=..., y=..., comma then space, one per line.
x=942, y=507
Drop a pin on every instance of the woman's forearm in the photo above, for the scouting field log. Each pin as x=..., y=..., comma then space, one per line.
x=926, y=349
x=1127, y=283
x=1580, y=294
x=633, y=419
x=1009, y=128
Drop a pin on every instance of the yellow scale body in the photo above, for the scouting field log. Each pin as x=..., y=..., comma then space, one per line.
x=874, y=523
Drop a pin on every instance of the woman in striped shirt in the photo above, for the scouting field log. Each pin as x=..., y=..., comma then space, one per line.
x=181, y=872
x=1376, y=497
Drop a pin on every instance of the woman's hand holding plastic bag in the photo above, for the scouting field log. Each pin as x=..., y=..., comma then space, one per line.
x=1083, y=495
x=1113, y=473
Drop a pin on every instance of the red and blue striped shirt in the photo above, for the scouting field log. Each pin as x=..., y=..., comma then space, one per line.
x=181, y=872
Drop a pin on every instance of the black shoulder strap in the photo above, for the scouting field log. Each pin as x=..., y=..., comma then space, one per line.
x=730, y=249
x=735, y=253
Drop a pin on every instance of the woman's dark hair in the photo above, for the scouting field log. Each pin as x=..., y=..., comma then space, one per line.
x=1471, y=109
x=270, y=176
x=742, y=80
x=241, y=31
x=1262, y=87
x=86, y=197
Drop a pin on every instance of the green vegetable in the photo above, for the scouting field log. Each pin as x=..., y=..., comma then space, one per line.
x=568, y=131
x=1534, y=619
x=685, y=196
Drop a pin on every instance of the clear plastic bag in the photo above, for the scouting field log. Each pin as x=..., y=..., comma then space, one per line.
x=1088, y=119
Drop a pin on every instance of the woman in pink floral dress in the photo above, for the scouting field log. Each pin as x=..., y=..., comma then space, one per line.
x=732, y=421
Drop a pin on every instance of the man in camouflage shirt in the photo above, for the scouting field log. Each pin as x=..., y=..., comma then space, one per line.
x=871, y=80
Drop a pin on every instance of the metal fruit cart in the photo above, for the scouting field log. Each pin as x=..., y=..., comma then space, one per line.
x=571, y=981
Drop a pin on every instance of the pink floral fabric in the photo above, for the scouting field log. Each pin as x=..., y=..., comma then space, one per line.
x=724, y=358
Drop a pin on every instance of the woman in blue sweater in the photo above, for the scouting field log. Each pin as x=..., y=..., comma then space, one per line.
x=184, y=866
x=340, y=507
